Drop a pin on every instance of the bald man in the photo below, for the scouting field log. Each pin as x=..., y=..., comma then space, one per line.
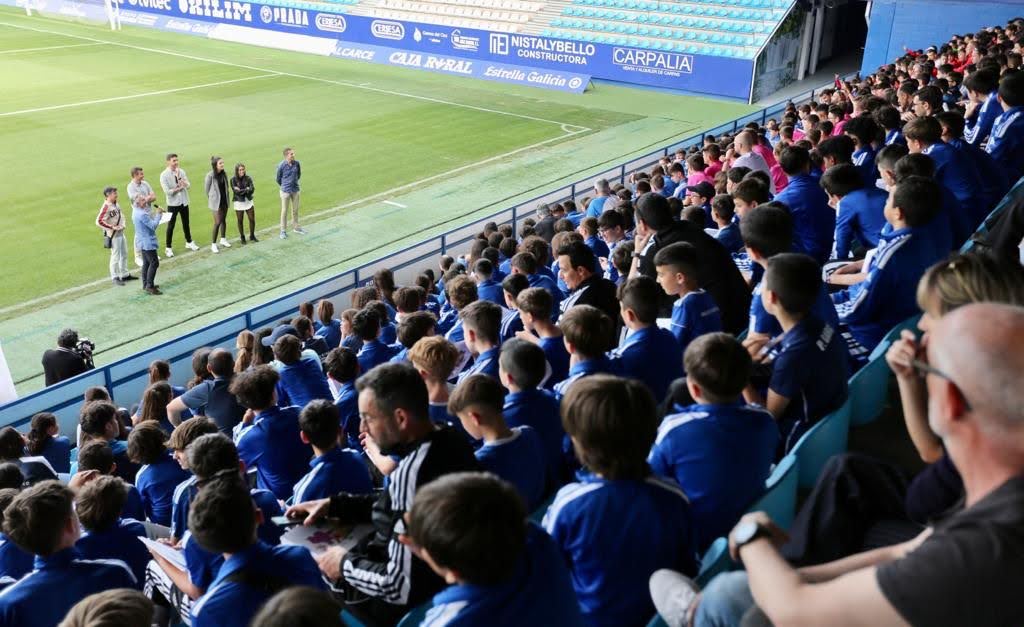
x=965, y=570
x=743, y=145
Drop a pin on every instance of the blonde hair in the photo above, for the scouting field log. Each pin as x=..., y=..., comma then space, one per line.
x=121, y=607
x=970, y=278
x=436, y=355
x=246, y=344
x=325, y=311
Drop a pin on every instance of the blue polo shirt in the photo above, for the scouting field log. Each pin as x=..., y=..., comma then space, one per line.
x=861, y=218
x=353, y=343
x=518, y=459
x=614, y=535
x=814, y=222
x=372, y=354
x=597, y=245
x=511, y=323
x=548, y=283
x=730, y=237
x=43, y=597
x=302, y=381
x=181, y=499
x=272, y=444
x=596, y=207
x=764, y=323
x=978, y=125
x=156, y=483
x=337, y=470
x=233, y=604
x=401, y=354
x=598, y=365
x=539, y=410
x=888, y=295
x=133, y=507
x=810, y=367
x=721, y=456
x=485, y=363
x=864, y=160
x=213, y=399
x=15, y=562
x=330, y=332
x=539, y=592
x=490, y=290
x=895, y=136
x=694, y=315
x=388, y=333
x=348, y=408
x=576, y=218
x=120, y=541
x=652, y=356
x=447, y=320
x=558, y=359
x=1006, y=142
x=57, y=451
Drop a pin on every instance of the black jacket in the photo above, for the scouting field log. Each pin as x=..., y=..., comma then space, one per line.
x=242, y=188
x=598, y=292
x=60, y=364
x=545, y=228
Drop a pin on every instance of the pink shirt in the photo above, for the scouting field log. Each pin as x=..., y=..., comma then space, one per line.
x=712, y=169
x=696, y=178
x=779, y=178
x=766, y=153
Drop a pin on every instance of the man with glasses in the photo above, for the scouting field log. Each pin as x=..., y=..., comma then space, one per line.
x=955, y=573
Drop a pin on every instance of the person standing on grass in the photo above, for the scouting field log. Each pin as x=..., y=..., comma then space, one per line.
x=289, y=171
x=112, y=221
x=216, y=186
x=242, y=188
x=145, y=221
x=175, y=184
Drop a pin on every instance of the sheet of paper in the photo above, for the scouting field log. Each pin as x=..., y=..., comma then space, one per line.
x=174, y=556
x=664, y=323
x=319, y=538
x=165, y=217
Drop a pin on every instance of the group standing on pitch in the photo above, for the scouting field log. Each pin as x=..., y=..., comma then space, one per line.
x=147, y=215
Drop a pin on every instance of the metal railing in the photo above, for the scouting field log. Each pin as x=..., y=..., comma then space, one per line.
x=126, y=378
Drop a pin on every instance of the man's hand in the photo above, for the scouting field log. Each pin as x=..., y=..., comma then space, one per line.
x=330, y=562
x=777, y=536
x=82, y=478
x=313, y=511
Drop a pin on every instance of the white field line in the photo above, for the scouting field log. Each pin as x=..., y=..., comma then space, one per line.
x=48, y=48
x=274, y=229
x=395, y=204
x=161, y=92
x=363, y=86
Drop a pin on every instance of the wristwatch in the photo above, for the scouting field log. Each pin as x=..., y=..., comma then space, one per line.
x=746, y=532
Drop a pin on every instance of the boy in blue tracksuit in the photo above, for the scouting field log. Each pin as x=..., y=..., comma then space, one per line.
x=342, y=367
x=723, y=212
x=526, y=263
x=619, y=523
x=649, y=353
x=514, y=454
x=993, y=183
x=481, y=323
x=1006, y=142
x=586, y=334
x=694, y=312
x=108, y=536
x=486, y=287
x=300, y=375
x=983, y=107
x=863, y=130
x=860, y=209
x=333, y=469
x=367, y=324
x=589, y=230
x=511, y=318
x=952, y=169
x=472, y=530
x=719, y=449
x=887, y=297
x=809, y=362
x=159, y=474
x=535, y=307
x=814, y=220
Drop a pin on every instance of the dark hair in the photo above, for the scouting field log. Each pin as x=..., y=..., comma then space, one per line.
x=839, y=147
x=841, y=179
x=407, y=299
x=610, y=220
x=794, y=160
x=255, y=387
x=147, y=443
x=918, y=164
x=154, y=402
x=68, y=338
x=108, y=190
x=187, y=432
x=863, y=128
x=524, y=362
x=1011, y=88
x=366, y=324
x=477, y=390
x=95, y=417
x=890, y=155
x=930, y=95
x=693, y=213
x=768, y=229
x=222, y=517
x=471, y=523
x=415, y=326
x=926, y=130
x=525, y=263
x=39, y=432
x=536, y=301
x=612, y=424
x=200, y=358
x=341, y=364
x=397, y=386
x=213, y=456
x=653, y=209
x=588, y=329
x=96, y=456
x=288, y=349
x=888, y=117
x=299, y=606
x=724, y=206
x=918, y=198
x=680, y=257
x=751, y=190
x=641, y=294
x=737, y=173
x=952, y=121
x=580, y=255
x=795, y=279
x=515, y=284
x=96, y=393
x=99, y=502
x=36, y=518
x=719, y=364
x=483, y=318
x=319, y=420
x=10, y=477
x=159, y=370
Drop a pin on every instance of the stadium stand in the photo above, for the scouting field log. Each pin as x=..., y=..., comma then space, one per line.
x=604, y=513
x=511, y=16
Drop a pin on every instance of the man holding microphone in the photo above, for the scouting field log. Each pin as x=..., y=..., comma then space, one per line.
x=145, y=221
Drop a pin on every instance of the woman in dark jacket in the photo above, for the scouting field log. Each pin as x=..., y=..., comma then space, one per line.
x=242, y=187
x=216, y=186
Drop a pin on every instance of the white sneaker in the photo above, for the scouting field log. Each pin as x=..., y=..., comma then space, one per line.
x=224, y=242
x=214, y=248
x=673, y=593
x=168, y=252
x=191, y=246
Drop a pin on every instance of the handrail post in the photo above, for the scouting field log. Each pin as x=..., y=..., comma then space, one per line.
x=444, y=241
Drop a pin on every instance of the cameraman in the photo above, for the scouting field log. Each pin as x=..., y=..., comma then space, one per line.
x=69, y=359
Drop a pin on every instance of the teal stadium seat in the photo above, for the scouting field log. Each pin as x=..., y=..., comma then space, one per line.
x=779, y=500
x=415, y=616
x=869, y=387
x=715, y=562
x=824, y=440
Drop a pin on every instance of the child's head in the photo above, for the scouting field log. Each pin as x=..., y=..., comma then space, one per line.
x=347, y=319
x=461, y=292
x=481, y=322
x=767, y=231
x=40, y=519
x=717, y=368
x=10, y=477
x=586, y=331
x=747, y=194
x=299, y=606
x=524, y=263
x=319, y=424
x=213, y=456
x=677, y=266
x=483, y=269
x=160, y=369
x=478, y=401
x=98, y=420
x=535, y=303
x=695, y=214
x=381, y=309
x=723, y=208
x=407, y=300
x=7, y=495
x=100, y=393
x=914, y=201
x=288, y=349
x=469, y=528
x=512, y=286
x=886, y=160
x=414, y=327
x=41, y=430
x=638, y=302
x=223, y=517
x=611, y=226
x=112, y=608
x=146, y=443
x=522, y=365
x=366, y=325
x=255, y=388
x=96, y=456
x=186, y=433
x=588, y=227
x=622, y=257
x=612, y=424
x=792, y=282
x=434, y=357
x=154, y=402
x=341, y=365
x=840, y=180
x=99, y=502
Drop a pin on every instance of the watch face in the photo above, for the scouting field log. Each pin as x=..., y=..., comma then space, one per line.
x=744, y=532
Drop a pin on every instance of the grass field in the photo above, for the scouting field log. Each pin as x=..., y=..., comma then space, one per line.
x=80, y=105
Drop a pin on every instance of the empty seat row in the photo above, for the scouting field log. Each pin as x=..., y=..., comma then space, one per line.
x=666, y=33
x=455, y=10
x=682, y=6
x=443, y=20
x=732, y=14
x=667, y=20
x=647, y=44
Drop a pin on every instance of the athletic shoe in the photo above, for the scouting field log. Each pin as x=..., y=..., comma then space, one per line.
x=284, y=235
x=252, y=238
x=152, y=291
x=168, y=252
x=214, y=248
x=191, y=246
x=224, y=242
x=118, y=282
x=129, y=277
x=673, y=593
x=300, y=230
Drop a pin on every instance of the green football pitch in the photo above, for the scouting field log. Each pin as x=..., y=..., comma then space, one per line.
x=389, y=156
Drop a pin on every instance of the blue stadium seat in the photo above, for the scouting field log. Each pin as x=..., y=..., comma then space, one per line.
x=715, y=562
x=869, y=387
x=779, y=501
x=415, y=615
x=824, y=440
